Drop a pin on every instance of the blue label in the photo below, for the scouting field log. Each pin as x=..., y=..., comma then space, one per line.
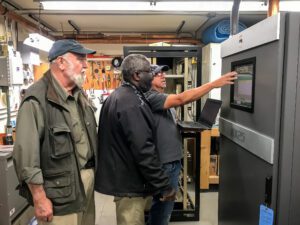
x=266, y=216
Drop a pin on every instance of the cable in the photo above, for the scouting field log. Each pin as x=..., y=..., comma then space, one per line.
x=5, y=10
x=39, y=18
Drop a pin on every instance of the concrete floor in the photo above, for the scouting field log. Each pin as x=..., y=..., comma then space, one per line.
x=105, y=210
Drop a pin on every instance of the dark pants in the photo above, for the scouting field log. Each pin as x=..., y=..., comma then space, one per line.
x=160, y=212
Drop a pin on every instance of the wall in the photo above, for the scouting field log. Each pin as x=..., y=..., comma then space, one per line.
x=40, y=70
x=109, y=49
x=14, y=91
x=2, y=27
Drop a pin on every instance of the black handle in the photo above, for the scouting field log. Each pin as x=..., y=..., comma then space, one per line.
x=268, y=191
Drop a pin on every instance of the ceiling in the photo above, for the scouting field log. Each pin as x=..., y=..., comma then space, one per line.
x=93, y=25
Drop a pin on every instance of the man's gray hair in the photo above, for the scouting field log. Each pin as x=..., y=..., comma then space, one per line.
x=134, y=63
x=63, y=56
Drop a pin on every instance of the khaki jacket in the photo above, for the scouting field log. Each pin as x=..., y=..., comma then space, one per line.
x=53, y=150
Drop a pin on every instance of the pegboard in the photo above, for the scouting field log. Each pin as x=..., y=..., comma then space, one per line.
x=101, y=75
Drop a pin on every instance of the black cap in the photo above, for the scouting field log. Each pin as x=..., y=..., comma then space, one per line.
x=156, y=68
x=61, y=47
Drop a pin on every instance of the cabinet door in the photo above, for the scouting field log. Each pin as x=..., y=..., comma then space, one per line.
x=295, y=184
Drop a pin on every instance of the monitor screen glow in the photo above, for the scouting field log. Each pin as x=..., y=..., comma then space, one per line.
x=242, y=91
x=243, y=86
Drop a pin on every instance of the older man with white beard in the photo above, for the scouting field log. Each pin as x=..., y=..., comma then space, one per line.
x=55, y=149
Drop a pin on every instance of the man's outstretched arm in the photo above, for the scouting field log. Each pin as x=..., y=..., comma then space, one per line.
x=174, y=100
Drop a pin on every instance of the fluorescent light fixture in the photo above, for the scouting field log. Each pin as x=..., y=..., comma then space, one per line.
x=202, y=6
x=292, y=6
x=38, y=41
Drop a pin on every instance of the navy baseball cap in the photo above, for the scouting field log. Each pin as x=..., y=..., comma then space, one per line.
x=61, y=47
x=156, y=68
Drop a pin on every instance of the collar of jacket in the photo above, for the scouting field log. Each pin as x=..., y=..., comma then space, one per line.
x=137, y=91
x=53, y=96
x=136, y=88
x=51, y=93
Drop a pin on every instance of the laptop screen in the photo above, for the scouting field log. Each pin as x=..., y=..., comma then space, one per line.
x=210, y=111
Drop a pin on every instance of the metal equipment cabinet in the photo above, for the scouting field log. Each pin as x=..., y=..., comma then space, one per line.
x=11, y=204
x=260, y=147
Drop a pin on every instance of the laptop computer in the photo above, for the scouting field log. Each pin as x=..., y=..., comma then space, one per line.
x=207, y=117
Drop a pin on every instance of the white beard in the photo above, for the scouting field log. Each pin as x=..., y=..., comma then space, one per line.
x=79, y=78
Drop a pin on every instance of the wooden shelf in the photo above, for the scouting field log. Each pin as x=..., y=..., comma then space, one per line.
x=213, y=179
x=215, y=132
x=205, y=178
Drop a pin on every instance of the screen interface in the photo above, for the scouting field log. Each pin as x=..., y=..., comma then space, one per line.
x=243, y=90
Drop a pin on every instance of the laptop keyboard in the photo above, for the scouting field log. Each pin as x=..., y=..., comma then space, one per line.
x=191, y=124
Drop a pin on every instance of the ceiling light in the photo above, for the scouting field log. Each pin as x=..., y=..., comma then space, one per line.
x=38, y=41
x=202, y=6
x=292, y=6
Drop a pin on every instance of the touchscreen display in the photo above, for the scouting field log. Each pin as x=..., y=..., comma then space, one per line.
x=242, y=92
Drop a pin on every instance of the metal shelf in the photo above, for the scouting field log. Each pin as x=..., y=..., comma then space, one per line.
x=174, y=76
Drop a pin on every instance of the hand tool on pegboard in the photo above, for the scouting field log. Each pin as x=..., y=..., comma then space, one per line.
x=86, y=80
x=96, y=78
x=93, y=76
x=104, y=80
x=108, y=81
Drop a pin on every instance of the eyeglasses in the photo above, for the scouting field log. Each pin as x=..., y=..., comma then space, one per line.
x=160, y=74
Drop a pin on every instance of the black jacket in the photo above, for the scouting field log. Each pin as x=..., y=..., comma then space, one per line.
x=128, y=161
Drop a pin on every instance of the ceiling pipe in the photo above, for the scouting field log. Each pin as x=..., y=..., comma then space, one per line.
x=74, y=25
x=44, y=24
x=96, y=36
x=17, y=8
x=81, y=36
x=234, y=17
x=90, y=33
x=179, y=28
x=138, y=37
x=14, y=5
x=26, y=23
x=273, y=7
x=121, y=39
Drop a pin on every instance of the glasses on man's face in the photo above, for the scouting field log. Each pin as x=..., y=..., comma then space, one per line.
x=159, y=75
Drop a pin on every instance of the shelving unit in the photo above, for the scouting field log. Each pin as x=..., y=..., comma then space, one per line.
x=211, y=70
x=176, y=76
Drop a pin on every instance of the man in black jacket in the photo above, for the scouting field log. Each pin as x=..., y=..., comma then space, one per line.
x=129, y=167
